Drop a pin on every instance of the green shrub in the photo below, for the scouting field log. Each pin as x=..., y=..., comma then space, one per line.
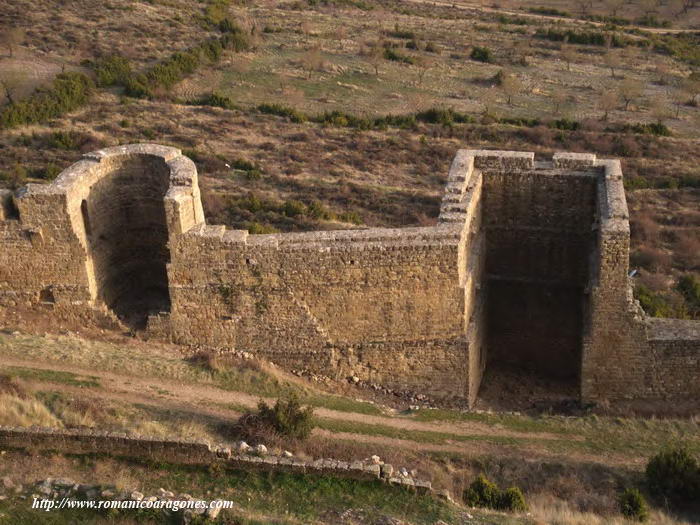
x=689, y=288
x=512, y=500
x=216, y=100
x=65, y=140
x=283, y=111
x=112, y=70
x=292, y=208
x=481, y=54
x=16, y=177
x=482, y=493
x=67, y=92
x=674, y=475
x=164, y=75
x=443, y=116
x=351, y=217
x=288, y=417
x=633, y=506
x=252, y=171
x=401, y=33
x=431, y=48
x=654, y=304
x=653, y=128
x=485, y=493
x=590, y=38
x=549, y=11
x=392, y=55
x=318, y=211
x=49, y=172
x=255, y=228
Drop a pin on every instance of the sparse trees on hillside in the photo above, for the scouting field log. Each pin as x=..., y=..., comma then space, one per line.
x=659, y=109
x=423, y=63
x=612, y=60
x=510, y=85
x=311, y=60
x=607, y=102
x=629, y=90
x=374, y=54
x=614, y=6
x=10, y=83
x=11, y=38
x=568, y=55
x=583, y=6
x=559, y=98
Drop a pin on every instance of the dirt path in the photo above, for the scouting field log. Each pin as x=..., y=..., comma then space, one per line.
x=213, y=400
x=209, y=402
x=523, y=14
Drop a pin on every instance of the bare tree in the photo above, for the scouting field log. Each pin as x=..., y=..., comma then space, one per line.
x=423, y=63
x=614, y=6
x=607, y=102
x=511, y=86
x=11, y=38
x=583, y=6
x=691, y=86
x=648, y=6
x=559, y=98
x=612, y=60
x=568, y=55
x=11, y=82
x=629, y=90
x=311, y=60
x=374, y=54
x=659, y=109
x=678, y=98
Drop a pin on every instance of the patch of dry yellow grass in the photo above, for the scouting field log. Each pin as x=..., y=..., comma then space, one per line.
x=19, y=412
x=554, y=511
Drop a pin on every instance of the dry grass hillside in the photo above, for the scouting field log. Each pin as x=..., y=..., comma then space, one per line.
x=581, y=76
x=326, y=114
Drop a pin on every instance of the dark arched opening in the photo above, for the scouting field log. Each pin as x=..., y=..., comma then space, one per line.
x=127, y=235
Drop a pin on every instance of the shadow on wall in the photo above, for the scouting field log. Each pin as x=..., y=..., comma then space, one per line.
x=126, y=230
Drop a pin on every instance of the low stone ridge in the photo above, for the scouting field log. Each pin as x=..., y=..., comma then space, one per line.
x=239, y=455
x=120, y=238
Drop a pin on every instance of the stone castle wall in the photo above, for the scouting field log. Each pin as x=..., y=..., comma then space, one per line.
x=527, y=265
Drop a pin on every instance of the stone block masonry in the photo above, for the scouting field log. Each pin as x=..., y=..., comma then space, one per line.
x=527, y=265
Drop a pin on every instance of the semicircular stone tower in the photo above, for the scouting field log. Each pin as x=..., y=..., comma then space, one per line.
x=527, y=265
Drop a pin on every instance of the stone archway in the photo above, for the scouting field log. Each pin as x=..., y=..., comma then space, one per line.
x=126, y=236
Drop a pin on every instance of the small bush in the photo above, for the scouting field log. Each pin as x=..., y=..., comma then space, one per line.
x=392, y=55
x=633, y=506
x=288, y=417
x=112, y=70
x=16, y=177
x=401, y=33
x=283, y=111
x=216, y=100
x=481, y=54
x=482, y=493
x=67, y=92
x=50, y=172
x=674, y=475
x=255, y=228
x=252, y=171
x=66, y=140
x=689, y=288
x=512, y=500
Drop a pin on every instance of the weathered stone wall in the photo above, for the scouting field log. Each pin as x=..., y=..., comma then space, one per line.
x=528, y=264
x=538, y=229
x=176, y=451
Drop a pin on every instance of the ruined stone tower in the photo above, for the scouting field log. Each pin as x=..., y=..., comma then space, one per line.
x=528, y=265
